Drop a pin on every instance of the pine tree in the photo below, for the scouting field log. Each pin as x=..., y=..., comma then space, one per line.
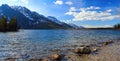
x=13, y=25
x=117, y=26
x=3, y=24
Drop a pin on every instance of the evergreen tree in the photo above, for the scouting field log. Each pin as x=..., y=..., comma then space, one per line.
x=13, y=25
x=117, y=26
x=3, y=24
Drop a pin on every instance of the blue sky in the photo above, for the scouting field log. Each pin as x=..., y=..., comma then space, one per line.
x=87, y=13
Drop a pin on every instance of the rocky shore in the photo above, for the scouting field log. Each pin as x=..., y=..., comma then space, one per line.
x=105, y=51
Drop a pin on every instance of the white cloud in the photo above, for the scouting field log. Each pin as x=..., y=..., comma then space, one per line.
x=91, y=13
x=90, y=8
x=17, y=1
x=59, y=2
x=109, y=10
x=72, y=9
x=68, y=3
x=93, y=7
x=14, y=0
x=99, y=26
x=25, y=1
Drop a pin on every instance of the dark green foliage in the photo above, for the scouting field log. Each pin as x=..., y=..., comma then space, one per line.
x=5, y=26
x=12, y=25
x=117, y=26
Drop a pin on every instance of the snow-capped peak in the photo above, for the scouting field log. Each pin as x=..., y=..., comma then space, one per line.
x=26, y=12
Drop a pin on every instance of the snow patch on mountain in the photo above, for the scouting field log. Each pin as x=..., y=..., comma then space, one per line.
x=54, y=20
x=23, y=10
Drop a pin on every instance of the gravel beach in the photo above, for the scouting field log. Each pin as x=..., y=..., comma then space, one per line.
x=109, y=52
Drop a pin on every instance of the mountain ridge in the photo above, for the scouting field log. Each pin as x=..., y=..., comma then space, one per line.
x=32, y=20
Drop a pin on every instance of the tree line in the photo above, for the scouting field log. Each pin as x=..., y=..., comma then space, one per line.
x=117, y=26
x=10, y=25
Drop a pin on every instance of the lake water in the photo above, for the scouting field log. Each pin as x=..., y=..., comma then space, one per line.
x=40, y=43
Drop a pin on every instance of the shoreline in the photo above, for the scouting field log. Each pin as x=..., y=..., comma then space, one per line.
x=105, y=51
x=109, y=52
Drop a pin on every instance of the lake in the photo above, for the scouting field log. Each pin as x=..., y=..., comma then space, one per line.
x=27, y=44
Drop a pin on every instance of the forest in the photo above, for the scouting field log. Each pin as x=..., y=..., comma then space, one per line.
x=8, y=25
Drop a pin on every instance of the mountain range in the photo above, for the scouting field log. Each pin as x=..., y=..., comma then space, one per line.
x=32, y=20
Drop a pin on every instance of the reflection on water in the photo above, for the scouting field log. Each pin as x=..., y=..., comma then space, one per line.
x=39, y=43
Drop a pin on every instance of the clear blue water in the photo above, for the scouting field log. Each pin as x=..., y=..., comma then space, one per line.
x=39, y=43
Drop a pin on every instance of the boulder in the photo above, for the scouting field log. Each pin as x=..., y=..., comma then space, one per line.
x=108, y=42
x=35, y=60
x=84, y=45
x=45, y=59
x=94, y=49
x=10, y=59
x=55, y=56
x=82, y=50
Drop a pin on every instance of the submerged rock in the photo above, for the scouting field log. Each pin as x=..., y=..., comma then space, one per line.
x=55, y=56
x=108, y=42
x=82, y=50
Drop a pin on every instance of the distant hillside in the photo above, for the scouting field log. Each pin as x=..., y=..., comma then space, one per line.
x=32, y=20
